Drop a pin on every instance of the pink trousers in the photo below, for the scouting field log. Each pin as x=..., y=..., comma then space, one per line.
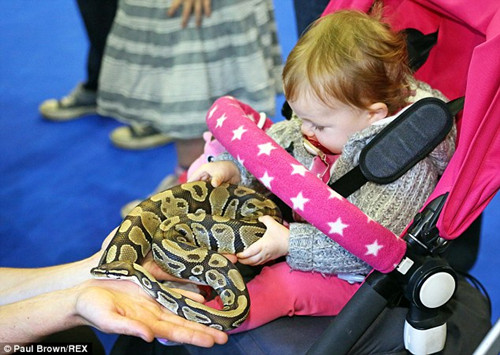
x=280, y=291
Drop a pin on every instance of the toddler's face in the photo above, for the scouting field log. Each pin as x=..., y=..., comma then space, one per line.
x=330, y=126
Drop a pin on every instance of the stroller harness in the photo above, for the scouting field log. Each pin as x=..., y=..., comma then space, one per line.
x=398, y=147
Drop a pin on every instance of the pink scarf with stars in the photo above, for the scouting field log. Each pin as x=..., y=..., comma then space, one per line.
x=232, y=123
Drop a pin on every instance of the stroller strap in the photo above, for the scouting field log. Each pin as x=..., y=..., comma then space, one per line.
x=403, y=143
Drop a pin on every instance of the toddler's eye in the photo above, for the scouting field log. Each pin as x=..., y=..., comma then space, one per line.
x=319, y=128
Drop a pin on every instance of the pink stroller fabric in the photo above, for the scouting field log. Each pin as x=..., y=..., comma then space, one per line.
x=464, y=61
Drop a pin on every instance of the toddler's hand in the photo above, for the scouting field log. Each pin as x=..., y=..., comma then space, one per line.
x=271, y=246
x=218, y=172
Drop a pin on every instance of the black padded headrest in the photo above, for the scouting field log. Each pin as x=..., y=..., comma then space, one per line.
x=405, y=141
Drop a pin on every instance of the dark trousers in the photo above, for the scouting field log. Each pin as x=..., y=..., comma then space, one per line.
x=467, y=326
x=98, y=17
x=78, y=335
x=307, y=11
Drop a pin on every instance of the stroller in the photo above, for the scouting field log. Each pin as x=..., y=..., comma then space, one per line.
x=468, y=181
x=462, y=193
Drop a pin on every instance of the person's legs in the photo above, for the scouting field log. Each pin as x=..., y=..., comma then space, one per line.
x=188, y=150
x=307, y=11
x=97, y=16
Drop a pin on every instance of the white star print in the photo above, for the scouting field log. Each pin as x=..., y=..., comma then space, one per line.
x=373, y=249
x=241, y=161
x=210, y=114
x=266, y=180
x=221, y=120
x=265, y=148
x=299, y=169
x=337, y=227
x=237, y=133
x=299, y=201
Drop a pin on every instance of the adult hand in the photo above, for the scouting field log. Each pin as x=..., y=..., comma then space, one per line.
x=199, y=7
x=272, y=245
x=122, y=307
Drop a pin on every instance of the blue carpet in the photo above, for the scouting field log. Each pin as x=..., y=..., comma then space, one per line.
x=63, y=183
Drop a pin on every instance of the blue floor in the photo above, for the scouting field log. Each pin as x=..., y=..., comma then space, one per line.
x=63, y=183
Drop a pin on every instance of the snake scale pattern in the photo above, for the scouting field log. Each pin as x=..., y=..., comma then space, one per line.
x=186, y=228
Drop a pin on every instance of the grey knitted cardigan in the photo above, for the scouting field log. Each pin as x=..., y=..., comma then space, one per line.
x=392, y=205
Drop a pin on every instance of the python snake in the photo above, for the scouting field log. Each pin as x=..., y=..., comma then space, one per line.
x=186, y=228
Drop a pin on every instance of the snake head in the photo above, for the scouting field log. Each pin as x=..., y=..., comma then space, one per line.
x=114, y=270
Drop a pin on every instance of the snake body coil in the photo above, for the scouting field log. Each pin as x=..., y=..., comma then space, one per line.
x=186, y=228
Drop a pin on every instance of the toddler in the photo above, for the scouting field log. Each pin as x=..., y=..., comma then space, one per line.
x=346, y=79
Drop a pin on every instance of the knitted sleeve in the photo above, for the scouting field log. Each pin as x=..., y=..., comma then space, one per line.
x=311, y=250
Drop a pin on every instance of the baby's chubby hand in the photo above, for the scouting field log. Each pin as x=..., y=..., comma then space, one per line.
x=217, y=173
x=272, y=245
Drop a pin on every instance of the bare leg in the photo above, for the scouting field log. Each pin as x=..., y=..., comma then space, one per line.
x=188, y=150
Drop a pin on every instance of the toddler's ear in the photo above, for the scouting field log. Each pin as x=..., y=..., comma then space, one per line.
x=377, y=111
